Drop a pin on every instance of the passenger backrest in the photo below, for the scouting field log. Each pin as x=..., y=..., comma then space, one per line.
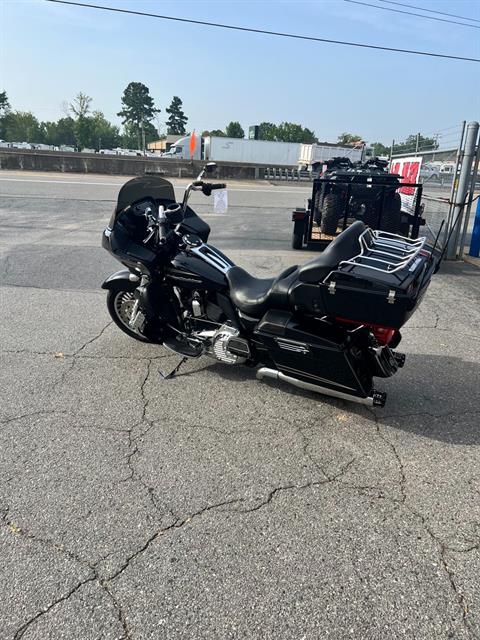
x=345, y=246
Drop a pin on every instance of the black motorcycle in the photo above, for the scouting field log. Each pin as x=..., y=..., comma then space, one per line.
x=330, y=325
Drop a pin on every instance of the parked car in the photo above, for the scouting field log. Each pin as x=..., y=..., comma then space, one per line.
x=20, y=145
x=428, y=173
x=66, y=147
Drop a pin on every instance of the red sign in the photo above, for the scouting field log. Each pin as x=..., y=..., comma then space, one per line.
x=409, y=169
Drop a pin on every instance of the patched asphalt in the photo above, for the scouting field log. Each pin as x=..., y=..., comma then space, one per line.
x=214, y=505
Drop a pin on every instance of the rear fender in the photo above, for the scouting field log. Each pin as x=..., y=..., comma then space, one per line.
x=123, y=279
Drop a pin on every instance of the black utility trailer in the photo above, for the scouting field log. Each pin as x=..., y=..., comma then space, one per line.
x=363, y=191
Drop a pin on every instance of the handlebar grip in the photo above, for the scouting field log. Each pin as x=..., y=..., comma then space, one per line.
x=162, y=231
x=208, y=187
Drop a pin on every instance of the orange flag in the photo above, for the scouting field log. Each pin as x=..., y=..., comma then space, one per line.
x=193, y=143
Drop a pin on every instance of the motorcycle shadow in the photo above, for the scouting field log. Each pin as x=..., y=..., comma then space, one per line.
x=434, y=396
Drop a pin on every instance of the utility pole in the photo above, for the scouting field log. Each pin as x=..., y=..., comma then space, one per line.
x=462, y=189
x=391, y=150
x=416, y=144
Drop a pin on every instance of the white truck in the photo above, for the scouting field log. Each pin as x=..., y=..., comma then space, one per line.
x=266, y=152
x=316, y=154
x=180, y=150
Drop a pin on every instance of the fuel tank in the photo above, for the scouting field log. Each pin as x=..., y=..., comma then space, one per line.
x=201, y=266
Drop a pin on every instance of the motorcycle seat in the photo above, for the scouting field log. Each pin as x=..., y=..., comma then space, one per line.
x=254, y=296
x=345, y=246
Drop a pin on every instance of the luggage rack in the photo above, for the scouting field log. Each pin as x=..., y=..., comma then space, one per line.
x=384, y=252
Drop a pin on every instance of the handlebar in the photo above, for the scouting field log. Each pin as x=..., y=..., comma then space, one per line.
x=208, y=187
x=162, y=225
x=200, y=185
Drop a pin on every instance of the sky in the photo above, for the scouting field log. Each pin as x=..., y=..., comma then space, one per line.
x=50, y=52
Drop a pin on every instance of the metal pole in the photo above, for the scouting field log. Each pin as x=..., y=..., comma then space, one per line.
x=454, y=183
x=475, y=244
x=463, y=181
x=416, y=145
x=391, y=151
x=471, y=190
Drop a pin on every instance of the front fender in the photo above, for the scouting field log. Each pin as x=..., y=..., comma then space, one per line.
x=122, y=278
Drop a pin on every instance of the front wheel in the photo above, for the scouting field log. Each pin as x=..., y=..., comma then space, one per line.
x=120, y=305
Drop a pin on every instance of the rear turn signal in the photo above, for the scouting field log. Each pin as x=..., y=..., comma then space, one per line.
x=383, y=335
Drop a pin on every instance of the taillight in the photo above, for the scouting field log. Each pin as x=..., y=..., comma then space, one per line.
x=383, y=335
x=298, y=214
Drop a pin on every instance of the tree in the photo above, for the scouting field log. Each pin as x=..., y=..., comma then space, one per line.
x=267, y=131
x=80, y=107
x=4, y=103
x=379, y=149
x=21, y=126
x=290, y=132
x=410, y=144
x=349, y=138
x=234, y=130
x=131, y=133
x=177, y=119
x=214, y=132
x=138, y=108
x=4, y=111
x=285, y=132
x=103, y=134
x=60, y=132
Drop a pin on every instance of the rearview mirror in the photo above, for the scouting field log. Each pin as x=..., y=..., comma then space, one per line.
x=210, y=167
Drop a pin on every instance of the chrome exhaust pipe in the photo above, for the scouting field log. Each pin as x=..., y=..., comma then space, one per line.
x=377, y=399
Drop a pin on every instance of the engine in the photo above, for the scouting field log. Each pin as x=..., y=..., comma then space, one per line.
x=224, y=344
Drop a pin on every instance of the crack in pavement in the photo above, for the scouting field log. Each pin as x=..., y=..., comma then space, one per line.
x=180, y=522
x=21, y=630
x=60, y=548
x=443, y=548
x=82, y=357
x=96, y=337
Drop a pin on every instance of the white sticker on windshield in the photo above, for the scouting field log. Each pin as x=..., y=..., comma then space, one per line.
x=220, y=200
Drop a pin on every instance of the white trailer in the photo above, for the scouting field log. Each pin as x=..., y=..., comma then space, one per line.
x=311, y=154
x=267, y=152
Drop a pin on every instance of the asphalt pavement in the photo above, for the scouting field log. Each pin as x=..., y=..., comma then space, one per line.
x=214, y=505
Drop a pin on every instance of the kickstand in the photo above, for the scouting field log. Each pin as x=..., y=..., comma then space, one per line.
x=173, y=372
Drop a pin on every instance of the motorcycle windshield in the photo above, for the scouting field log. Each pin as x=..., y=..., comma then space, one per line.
x=142, y=188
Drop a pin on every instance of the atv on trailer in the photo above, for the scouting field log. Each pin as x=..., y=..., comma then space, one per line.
x=363, y=191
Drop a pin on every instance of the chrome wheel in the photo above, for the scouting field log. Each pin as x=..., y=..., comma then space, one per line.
x=124, y=305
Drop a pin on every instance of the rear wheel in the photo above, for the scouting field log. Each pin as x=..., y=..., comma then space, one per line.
x=120, y=304
x=392, y=216
x=297, y=240
x=331, y=213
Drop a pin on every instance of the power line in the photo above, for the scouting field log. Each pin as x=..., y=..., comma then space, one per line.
x=441, y=13
x=263, y=31
x=410, y=13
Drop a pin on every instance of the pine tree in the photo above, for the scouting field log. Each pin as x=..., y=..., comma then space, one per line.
x=177, y=119
x=138, y=109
